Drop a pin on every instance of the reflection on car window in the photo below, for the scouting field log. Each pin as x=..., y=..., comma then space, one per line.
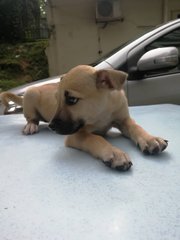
x=170, y=39
x=115, y=50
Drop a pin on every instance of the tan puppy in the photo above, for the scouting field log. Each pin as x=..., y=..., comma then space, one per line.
x=85, y=105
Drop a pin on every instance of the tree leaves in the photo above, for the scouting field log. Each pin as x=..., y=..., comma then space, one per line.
x=17, y=17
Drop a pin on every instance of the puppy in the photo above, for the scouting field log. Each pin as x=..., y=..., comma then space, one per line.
x=84, y=105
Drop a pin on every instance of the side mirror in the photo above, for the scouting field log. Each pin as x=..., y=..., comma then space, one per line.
x=158, y=58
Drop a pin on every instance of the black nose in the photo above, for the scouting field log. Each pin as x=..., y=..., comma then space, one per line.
x=65, y=127
x=55, y=124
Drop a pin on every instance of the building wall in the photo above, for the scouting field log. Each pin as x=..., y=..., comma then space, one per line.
x=76, y=38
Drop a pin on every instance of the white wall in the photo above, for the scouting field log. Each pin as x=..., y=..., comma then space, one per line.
x=77, y=39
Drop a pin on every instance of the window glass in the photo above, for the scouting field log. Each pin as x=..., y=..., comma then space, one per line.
x=169, y=40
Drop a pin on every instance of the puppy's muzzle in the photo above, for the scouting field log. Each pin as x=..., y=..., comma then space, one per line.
x=65, y=127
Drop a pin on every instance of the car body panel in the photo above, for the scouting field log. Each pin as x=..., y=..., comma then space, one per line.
x=21, y=89
x=49, y=191
x=154, y=90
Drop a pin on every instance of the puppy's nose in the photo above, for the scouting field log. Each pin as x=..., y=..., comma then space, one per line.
x=54, y=124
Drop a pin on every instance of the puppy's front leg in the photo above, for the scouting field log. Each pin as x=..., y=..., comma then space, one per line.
x=147, y=143
x=98, y=147
x=30, y=102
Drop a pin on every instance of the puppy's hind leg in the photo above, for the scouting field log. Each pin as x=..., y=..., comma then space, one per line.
x=30, y=112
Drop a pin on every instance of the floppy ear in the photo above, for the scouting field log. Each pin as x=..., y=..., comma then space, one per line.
x=111, y=79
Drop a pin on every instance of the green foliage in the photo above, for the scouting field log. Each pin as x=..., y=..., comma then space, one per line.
x=42, y=4
x=22, y=63
x=16, y=17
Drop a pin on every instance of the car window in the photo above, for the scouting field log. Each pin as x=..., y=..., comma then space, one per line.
x=168, y=40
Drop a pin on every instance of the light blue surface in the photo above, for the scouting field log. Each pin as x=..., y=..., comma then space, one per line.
x=51, y=192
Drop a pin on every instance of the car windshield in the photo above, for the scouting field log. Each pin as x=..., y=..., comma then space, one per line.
x=104, y=57
x=107, y=55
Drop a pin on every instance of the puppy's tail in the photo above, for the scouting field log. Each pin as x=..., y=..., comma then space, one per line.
x=6, y=97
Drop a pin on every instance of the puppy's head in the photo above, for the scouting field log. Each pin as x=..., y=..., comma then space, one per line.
x=82, y=96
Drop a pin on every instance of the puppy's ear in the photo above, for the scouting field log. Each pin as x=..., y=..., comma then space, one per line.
x=110, y=79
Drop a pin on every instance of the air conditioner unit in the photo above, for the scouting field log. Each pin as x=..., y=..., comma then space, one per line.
x=108, y=10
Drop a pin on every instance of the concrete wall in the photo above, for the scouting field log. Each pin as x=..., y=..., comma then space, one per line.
x=76, y=38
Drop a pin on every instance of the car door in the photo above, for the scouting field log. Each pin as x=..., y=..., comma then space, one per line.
x=157, y=85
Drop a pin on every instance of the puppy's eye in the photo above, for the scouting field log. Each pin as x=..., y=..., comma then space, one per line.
x=70, y=100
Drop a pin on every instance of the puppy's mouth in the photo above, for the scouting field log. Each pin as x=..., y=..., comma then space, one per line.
x=66, y=127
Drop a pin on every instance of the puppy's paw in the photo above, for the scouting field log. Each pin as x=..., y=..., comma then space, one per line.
x=117, y=159
x=30, y=129
x=153, y=145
